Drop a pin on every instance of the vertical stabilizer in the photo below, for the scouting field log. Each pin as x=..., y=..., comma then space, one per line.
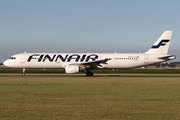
x=161, y=46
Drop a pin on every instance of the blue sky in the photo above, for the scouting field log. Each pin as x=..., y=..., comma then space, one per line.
x=86, y=25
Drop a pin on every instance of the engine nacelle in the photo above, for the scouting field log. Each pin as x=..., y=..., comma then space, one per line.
x=69, y=69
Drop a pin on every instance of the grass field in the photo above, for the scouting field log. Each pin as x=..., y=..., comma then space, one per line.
x=102, y=71
x=89, y=98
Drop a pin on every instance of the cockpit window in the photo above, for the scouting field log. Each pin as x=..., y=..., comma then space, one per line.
x=12, y=58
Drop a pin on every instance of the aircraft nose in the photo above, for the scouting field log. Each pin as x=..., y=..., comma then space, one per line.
x=6, y=63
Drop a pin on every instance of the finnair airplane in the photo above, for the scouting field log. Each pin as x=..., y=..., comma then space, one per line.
x=76, y=62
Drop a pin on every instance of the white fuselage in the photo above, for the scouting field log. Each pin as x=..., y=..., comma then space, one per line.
x=75, y=62
x=60, y=60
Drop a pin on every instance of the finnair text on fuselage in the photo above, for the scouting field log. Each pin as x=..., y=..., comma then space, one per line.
x=66, y=58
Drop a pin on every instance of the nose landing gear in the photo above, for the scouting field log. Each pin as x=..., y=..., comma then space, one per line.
x=23, y=72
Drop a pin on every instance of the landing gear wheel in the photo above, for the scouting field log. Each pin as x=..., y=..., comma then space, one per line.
x=23, y=72
x=89, y=73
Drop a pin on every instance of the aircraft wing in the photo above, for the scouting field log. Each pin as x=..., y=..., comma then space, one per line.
x=93, y=64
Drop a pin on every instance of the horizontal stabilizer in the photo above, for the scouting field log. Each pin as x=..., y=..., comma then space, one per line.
x=168, y=57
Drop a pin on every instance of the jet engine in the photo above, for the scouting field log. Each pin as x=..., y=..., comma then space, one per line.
x=69, y=69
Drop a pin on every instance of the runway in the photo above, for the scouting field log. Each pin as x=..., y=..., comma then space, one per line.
x=95, y=76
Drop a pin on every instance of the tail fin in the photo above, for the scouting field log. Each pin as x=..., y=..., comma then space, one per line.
x=161, y=46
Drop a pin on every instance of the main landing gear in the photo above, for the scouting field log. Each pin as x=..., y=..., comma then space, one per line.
x=89, y=73
x=23, y=72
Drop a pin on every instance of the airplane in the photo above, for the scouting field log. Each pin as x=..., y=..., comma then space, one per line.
x=76, y=62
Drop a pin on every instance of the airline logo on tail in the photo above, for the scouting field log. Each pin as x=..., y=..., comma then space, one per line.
x=162, y=43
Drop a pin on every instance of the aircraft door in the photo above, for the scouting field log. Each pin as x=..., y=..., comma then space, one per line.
x=58, y=61
x=23, y=58
x=146, y=59
x=100, y=57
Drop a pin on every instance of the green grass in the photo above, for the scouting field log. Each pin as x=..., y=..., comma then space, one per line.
x=102, y=71
x=89, y=98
